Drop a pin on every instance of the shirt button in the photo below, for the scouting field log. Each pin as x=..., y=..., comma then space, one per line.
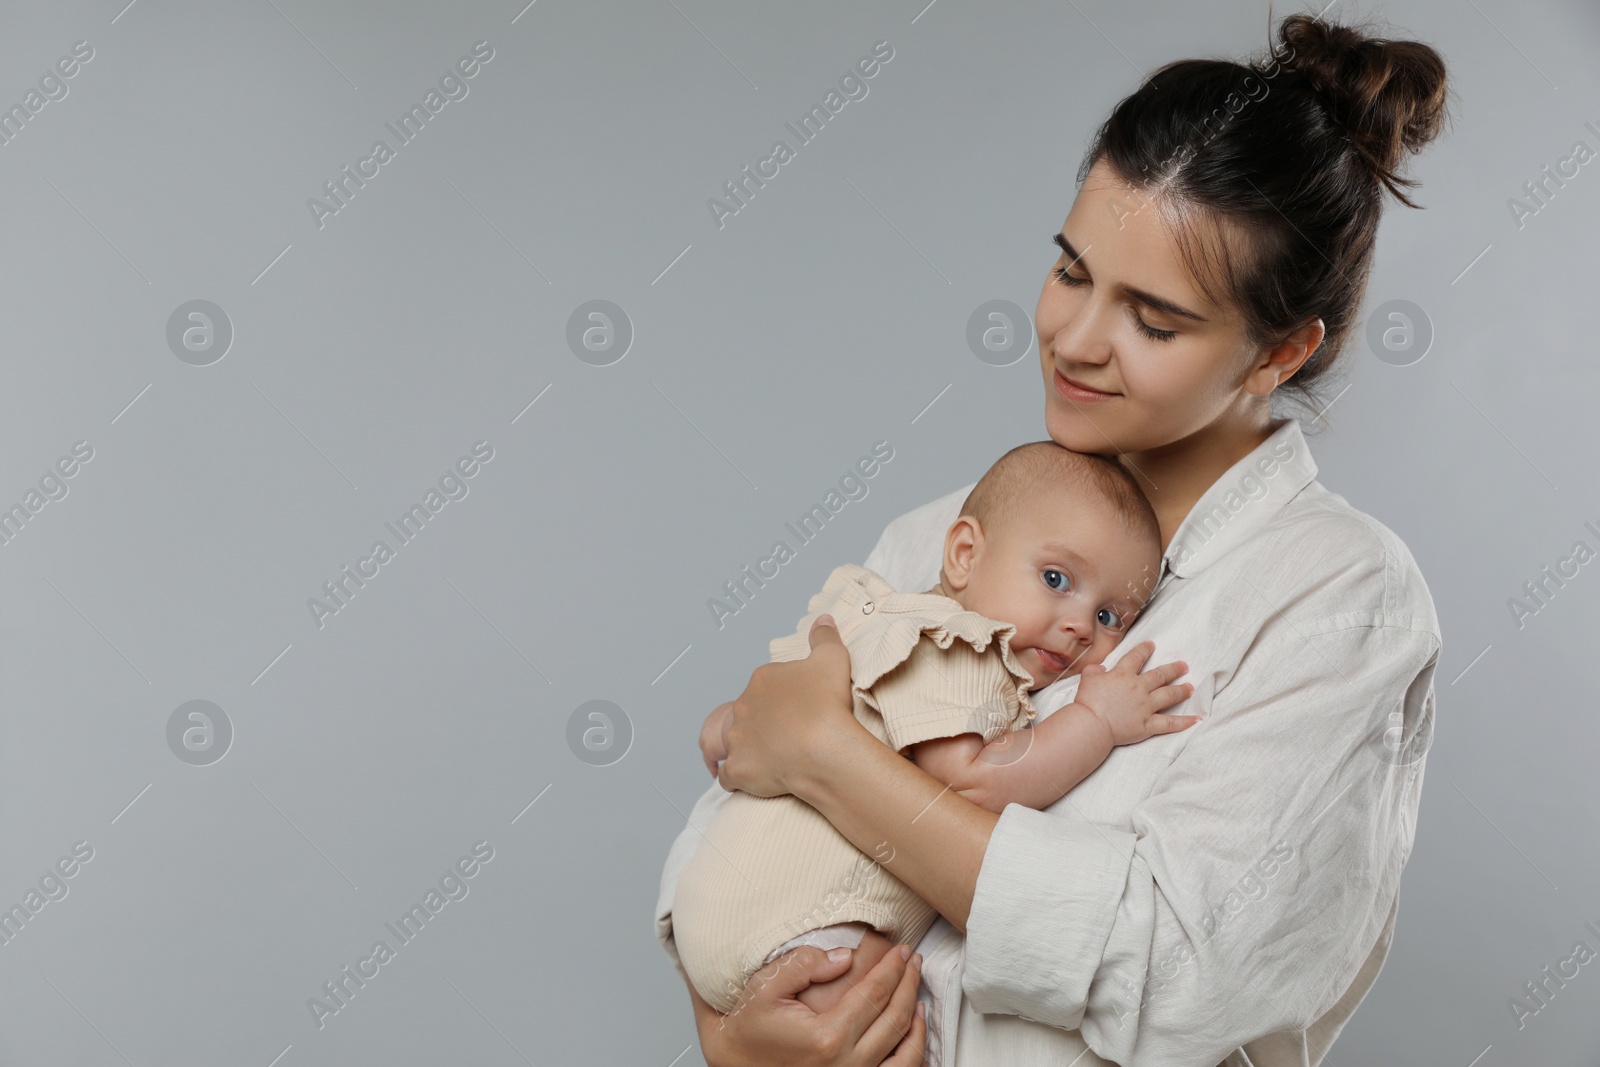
x=866, y=609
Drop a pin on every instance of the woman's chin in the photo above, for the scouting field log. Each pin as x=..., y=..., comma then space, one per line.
x=1079, y=432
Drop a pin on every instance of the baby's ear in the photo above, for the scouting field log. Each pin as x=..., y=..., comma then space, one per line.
x=960, y=545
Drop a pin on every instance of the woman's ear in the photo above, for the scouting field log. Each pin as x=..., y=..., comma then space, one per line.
x=961, y=544
x=1277, y=364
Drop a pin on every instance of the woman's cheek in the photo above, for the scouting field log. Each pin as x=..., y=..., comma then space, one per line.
x=1169, y=394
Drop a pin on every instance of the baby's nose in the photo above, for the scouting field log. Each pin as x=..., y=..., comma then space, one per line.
x=1080, y=624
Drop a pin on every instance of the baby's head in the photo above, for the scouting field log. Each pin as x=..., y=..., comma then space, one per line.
x=1061, y=544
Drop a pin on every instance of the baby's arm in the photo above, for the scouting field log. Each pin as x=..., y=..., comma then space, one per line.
x=1034, y=767
x=1031, y=767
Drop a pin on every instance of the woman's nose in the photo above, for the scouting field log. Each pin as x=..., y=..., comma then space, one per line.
x=1084, y=338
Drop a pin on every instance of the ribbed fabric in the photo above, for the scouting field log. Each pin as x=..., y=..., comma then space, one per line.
x=921, y=667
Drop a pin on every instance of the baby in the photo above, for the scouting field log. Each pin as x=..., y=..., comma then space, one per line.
x=1052, y=557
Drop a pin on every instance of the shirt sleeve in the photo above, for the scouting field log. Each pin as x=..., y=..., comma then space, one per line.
x=1256, y=877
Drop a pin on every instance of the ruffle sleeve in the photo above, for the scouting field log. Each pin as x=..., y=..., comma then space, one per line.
x=920, y=659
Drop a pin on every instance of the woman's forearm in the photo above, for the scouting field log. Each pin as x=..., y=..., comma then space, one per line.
x=922, y=831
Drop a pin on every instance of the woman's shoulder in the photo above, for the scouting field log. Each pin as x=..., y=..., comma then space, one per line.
x=908, y=550
x=1354, y=556
x=938, y=513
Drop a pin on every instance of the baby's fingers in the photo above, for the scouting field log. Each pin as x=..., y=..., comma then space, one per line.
x=1171, y=724
x=1167, y=672
x=1136, y=657
x=1169, y=695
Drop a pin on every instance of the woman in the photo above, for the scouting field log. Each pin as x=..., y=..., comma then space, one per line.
x=1227, y=893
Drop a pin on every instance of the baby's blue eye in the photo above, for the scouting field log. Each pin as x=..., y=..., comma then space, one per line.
x=1065, y=583
x=1114, y=623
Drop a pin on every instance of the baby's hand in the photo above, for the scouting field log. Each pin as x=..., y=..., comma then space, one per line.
x=714, y=736
x=1128, y=702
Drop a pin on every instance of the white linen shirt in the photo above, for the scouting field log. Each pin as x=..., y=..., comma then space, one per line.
x=1225, y=894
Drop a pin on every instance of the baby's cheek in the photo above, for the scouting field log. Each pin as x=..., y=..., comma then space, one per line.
x=1028, y=656
x=1101, y=648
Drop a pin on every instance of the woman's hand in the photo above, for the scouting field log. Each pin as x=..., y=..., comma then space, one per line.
x=883, y=1026
x=789, y=716
x=714, y=736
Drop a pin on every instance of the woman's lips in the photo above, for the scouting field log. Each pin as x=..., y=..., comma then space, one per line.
x=1072, y=391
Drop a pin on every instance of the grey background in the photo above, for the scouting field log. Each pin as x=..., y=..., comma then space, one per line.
x=370, y=754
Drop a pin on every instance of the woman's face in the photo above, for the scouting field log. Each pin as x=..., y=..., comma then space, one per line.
x=1122, y=316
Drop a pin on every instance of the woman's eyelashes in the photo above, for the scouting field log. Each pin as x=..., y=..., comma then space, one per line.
x=1148, y=330
x=1072, y=281
x=1067, y=279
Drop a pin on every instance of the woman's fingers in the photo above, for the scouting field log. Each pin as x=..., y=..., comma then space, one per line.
x=786, y=716
x=713, y=737
x=793, y=971
x=825, y=639
x=892, y=990
x=912, y=1047
x=864, y=1004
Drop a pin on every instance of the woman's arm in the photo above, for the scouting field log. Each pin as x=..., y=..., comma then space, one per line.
x=806, y=741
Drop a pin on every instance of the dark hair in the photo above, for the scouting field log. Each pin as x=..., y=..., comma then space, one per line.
x=1292, y=152
x=1043, y=466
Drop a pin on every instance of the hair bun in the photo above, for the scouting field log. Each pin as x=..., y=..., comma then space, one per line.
x=1387, y=95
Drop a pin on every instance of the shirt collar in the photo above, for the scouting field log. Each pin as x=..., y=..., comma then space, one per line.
x=1242, y=500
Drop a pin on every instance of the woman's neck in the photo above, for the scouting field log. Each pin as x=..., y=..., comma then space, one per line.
x=1176, y=475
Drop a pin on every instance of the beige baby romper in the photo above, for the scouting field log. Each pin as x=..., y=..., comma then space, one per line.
x=921, y=667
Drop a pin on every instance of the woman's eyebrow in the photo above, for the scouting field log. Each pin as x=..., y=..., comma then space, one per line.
x=1159, y=303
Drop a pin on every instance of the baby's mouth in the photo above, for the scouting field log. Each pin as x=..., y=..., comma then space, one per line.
x=1052, y=662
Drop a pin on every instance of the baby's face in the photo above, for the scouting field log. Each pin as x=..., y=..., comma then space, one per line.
x=1063, y=570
